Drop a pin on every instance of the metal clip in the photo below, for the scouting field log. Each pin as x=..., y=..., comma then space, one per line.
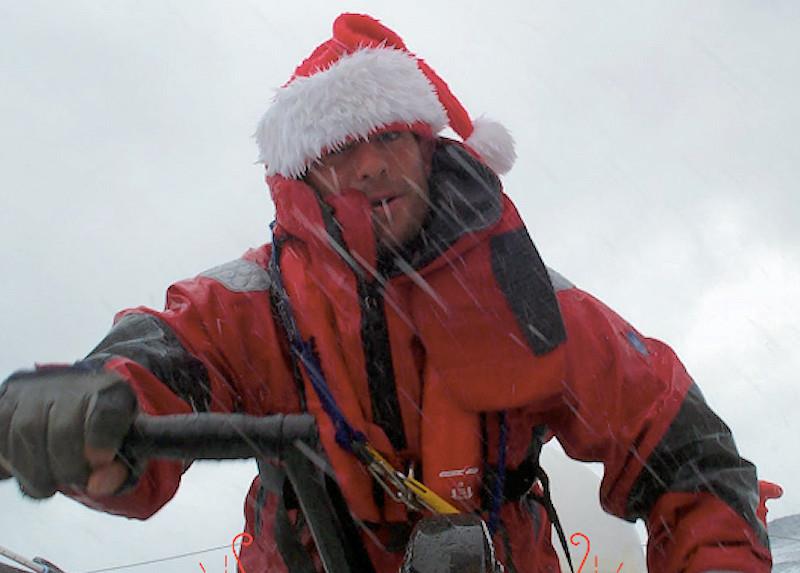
x=405, y=489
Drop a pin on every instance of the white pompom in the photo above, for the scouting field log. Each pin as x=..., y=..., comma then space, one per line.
x=493, y=142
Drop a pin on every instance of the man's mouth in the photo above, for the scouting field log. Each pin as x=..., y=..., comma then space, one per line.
x=383, y=202
x=382, y=205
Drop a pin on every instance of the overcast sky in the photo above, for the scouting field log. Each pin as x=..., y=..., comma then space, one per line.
x=658, y=164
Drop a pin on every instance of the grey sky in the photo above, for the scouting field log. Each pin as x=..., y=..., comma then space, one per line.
x=659, y=160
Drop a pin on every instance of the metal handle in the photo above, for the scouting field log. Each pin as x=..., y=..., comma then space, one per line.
x=217, y=436
x=240, y=436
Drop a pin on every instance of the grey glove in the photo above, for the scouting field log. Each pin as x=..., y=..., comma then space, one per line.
x=48, y=416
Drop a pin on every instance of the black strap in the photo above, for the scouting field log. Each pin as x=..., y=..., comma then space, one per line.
x=378, y=361
x=521, y=479
x=547, y=502
x=287, y=539
x=280, y=321
x=286, y=534
x=509, y=553
x=354, y=547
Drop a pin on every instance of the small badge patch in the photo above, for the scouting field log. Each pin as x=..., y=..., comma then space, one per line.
x=460, y=491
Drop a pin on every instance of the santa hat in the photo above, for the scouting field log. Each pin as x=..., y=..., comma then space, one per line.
x=361, y=81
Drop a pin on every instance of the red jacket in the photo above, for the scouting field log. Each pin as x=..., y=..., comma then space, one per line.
x=465, y=324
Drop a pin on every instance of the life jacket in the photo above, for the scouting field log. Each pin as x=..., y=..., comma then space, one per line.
x=416, y=345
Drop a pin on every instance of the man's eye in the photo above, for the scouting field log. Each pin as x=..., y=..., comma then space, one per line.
x=389, y=136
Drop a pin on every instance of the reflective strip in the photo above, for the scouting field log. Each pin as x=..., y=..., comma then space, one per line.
x=558, y=281
x=240, y=275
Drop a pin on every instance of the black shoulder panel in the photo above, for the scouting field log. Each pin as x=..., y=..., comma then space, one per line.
x=523, y=278
x=698, y=454
x=149, y=342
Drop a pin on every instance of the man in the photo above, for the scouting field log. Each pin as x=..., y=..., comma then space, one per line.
x=429, y=328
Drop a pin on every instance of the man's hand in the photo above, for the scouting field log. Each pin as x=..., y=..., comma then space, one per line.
x=62, y=426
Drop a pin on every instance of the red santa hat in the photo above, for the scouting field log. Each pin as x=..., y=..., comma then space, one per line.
x=360, y=81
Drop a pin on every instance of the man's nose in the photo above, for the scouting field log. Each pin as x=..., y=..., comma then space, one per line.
x=370, y=162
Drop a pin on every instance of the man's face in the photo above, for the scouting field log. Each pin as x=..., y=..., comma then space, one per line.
x=391, y=170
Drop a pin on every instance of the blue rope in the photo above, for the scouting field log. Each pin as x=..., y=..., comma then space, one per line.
x=500, y=478
x=346, y=435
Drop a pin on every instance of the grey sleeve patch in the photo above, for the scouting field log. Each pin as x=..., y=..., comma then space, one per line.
x=151, y=343
x=558, y=281
x=240, y=275
x=698, y=454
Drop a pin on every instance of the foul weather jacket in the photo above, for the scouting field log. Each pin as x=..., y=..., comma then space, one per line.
x=425, y=350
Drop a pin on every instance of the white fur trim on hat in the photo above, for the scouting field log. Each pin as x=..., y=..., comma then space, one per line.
x=356, y=95
x=493, y=142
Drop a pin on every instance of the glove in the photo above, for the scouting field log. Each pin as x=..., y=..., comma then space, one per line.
x=48, y=419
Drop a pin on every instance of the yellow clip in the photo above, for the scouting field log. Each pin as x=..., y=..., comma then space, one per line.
x=413, y=487
x=428, y=497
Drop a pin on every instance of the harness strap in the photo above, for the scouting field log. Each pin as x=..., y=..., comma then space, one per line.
x=547, y=502
x=287, y=534
x=297, y=376
x=521, y=479
x=287, y=539
x=498, y=485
